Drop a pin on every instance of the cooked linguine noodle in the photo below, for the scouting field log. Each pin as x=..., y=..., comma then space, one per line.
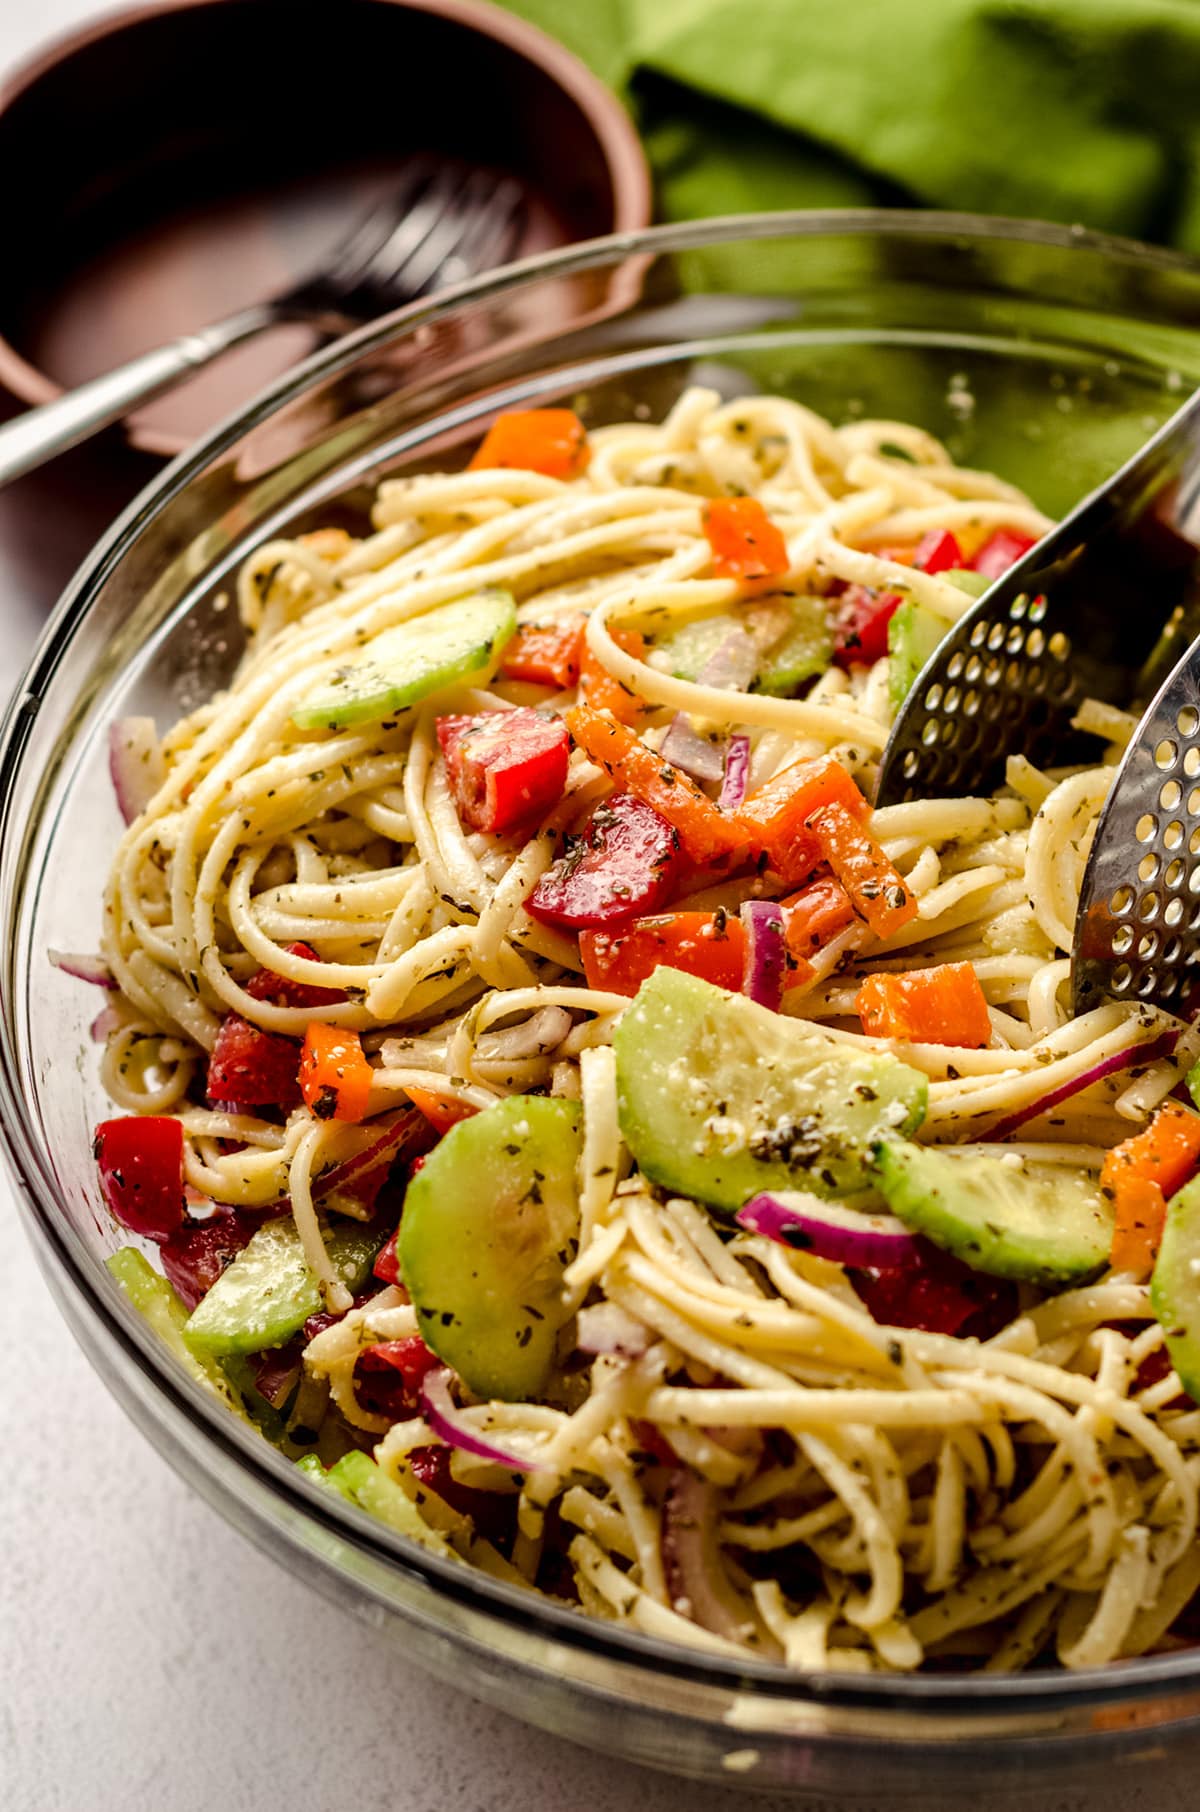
x=746, y=1460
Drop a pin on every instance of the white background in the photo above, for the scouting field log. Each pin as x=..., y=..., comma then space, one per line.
x=151, y=1661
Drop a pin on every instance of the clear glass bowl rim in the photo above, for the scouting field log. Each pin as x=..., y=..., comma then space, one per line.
x=70, y=1268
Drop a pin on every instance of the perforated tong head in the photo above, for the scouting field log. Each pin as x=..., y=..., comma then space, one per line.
x=1106, y=606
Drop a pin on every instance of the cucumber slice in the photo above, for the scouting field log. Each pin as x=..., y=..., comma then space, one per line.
x=153, y=1297
x=966, y=580
x=691, y=647
x=1000, y=1216
x=362, y=1481
x=268, y=1292
x=490, y=1223
x=721, y=1099
x=914, y=633
x=1175, y=1285
x=804, y=649
x=459, y=643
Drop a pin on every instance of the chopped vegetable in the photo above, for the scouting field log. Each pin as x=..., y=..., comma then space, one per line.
x=155, y=1300
x=282, y=991
x=335, y=1077
x=703, y=757
x=775, y=815
x=136, y=764
x=504, y=767
x=937, y=552
x=937, y=1293
x=876, y=888
x=547, y=654
x=140, y=1158
x=1138, y=1176
x=1146, y=1052
x=198, y=1251
x=805, y=648
x=707, y=836
x=1000, y=551
x=91, y=969
x=737, y=773
x=812, y=918
x=268, y=1293
x=622, y=864
x=387, y=1376
x=251, y=1068
x=945, y=1005
x=912, y=635
x=441, y=1111
x=598, y=687
x=766, y=964
x=1175, y=1286
x=860, y=625
x=446, y=1419
x=846, y=1236
x=551, y=441
x=365, y=1483
x=709, y=944
x=745, y=543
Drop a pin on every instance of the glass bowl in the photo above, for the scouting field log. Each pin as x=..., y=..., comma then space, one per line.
x=1045, y=354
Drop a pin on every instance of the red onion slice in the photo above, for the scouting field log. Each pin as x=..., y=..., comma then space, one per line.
x=737, y=773
x=684, y=747
x=691, y=1563
x=405, y=1133
x=135, y=761
x=84, y=968
x=1120, y=1060
x=734, y=664
x=848, y=1236
x=445, y=1418
x=766, y=952
x=107, y=1021
x=605, y=1327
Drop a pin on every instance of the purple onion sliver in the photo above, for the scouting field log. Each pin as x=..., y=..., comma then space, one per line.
x=734, y=664
x=685, y=748
x=135, y=761
x=737, y=772
x=106, y=1022
x=605, y=1327
x=847, y=1236
x=1120, y=1060
x=445, y=1418
x=84, y=968
x=766, y=952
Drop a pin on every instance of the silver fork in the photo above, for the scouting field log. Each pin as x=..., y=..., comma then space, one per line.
x=1107, y=606
x=443, y=222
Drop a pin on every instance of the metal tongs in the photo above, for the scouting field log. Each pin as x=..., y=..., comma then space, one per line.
x=1106, y=606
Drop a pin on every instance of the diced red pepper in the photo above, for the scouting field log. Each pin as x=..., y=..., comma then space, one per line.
x=775, y=816
x=622, y=865
x=441, y=1111
x=387, y=1260
x=943, y=1005
x=198, y=1251
x=492, y=1512
x=604, y=693
x=387, y=1377
x=877, y=888
x=860, y=624
x=708, y=944
x=251, y=1068
x=506, y=768
x=547, y=654
x=938, y=552
x=707, y=836
x=140, y=1159
x=939, y=1294
x=745, y=543
x=1000, y=551
x=281, y=991
x=335, y=1077
x=552, y=441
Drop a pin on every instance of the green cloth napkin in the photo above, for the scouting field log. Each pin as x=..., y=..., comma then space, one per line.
x=1069, y=110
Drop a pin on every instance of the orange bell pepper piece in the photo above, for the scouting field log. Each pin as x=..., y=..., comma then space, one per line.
x=812, y=918
x=776, y=814
x=711, y=945
x=335, y=1077
x=1138, y=1176
x=604, y=693
x=877, y=888
x=441, y=1112
x=551, y=441
x=745, y=542
x=707, y=836
x=945, y=1005
x=548, y=654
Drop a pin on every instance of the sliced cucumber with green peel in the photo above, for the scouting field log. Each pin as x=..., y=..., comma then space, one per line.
x=457, y=644
x=690, y=648
x=1175, y=1286
x=967, y=580
x=720, y=1098
x=1045, y=1224
x=364, y=1483
x=804, y=650
x=491, y=1221
x=154, y=1299
x=913, y=634
x=268, y=1292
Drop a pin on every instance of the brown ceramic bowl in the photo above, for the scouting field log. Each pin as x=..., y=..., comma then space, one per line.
x=182, y=159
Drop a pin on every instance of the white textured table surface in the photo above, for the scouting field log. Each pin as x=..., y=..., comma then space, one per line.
x=151, y=1661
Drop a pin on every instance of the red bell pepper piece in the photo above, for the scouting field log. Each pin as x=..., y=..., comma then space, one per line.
x=281, y=991
x=547, y=654
x=944, y=1005
x=745, y=543
x=1000, y=551
x=938, y=552
x=860, y=624
x=140, y=1158
x=505, y=767
x=251, y=1068
x=335, y=1077
x=553, y=441
x=493, y=1513
x=387, y=1377
x=622, y=865
x=708, y=944
x=939, y=1294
